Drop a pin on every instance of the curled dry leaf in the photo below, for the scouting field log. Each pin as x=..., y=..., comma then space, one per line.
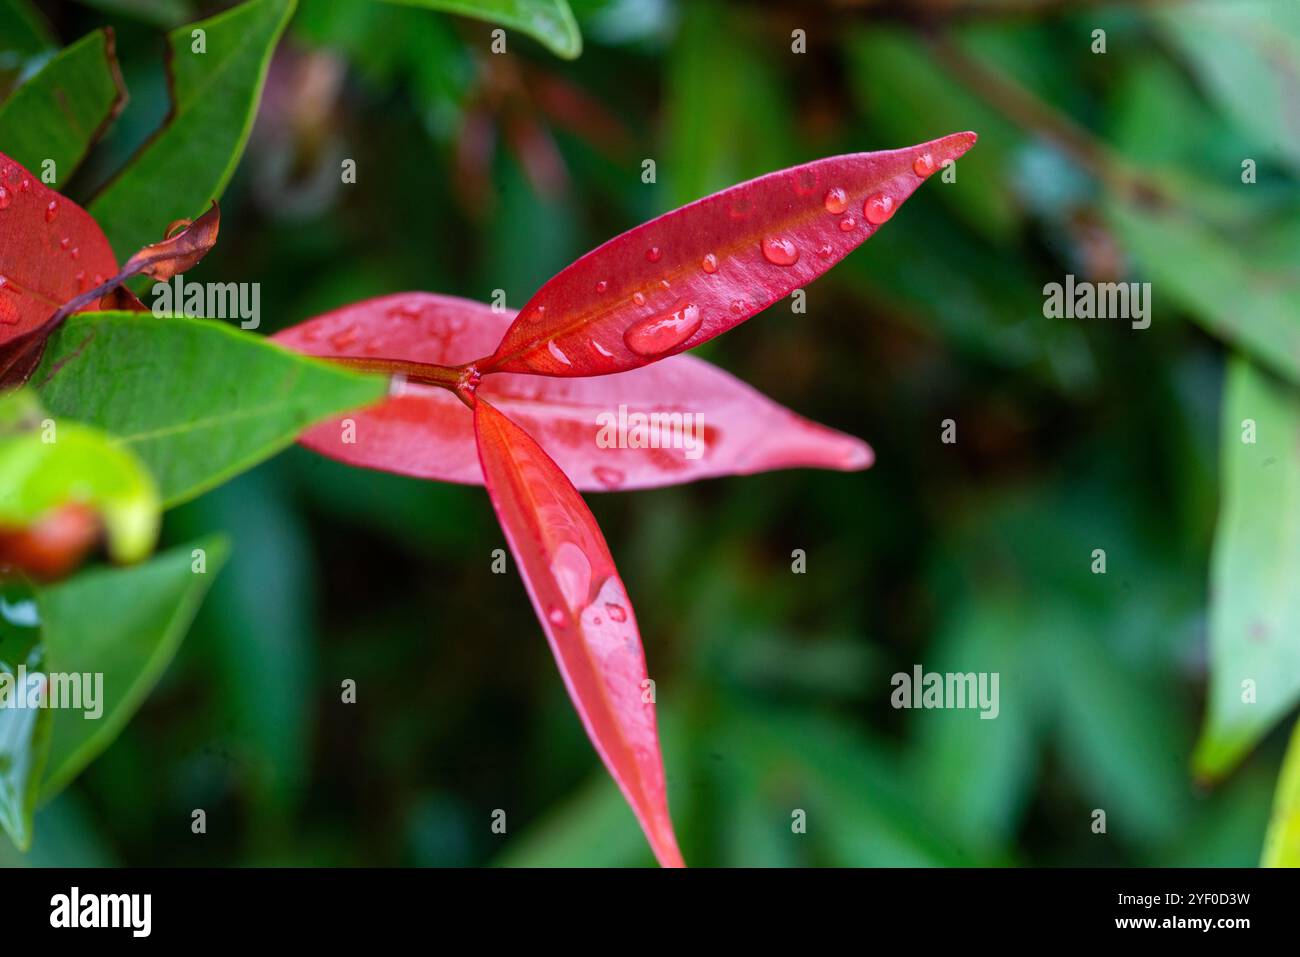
x=584, y=610
x=725, y=426
x=185, y=246
x=683, y=278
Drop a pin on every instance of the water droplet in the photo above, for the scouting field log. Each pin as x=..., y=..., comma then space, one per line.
x=23, y=184
x=65, y=242
x=99, y=279
x=616, y=612
x=923, y=165
x=6, y=198
x=826, y=249
x=344, y=337
x=780, y=252
x=835, y=202
x=601, y=349
x=608, y=477
x=878, y=208
x=709, y=264
x=556, y=615
x=654, y=254
x=571, y=570
x=81, y=281
x=602, y=286
x=51, y=210
x=847, y=224
x=558, y=353
x=75, y=252
x=737, y=306
x=655, y=335
x=638, y=298
x=538, y=314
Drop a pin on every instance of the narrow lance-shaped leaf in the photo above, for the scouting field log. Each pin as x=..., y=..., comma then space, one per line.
x=62, y=111
x=584, y=610
x=550, y=21
x=677, y=421
x=683, y=278
x=216, y=83
x=1255, y=606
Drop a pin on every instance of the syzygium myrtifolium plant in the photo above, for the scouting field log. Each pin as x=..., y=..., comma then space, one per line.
x=534, y=405
x=530, y=405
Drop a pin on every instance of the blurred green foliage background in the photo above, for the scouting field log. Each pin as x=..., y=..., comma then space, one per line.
x=477, y=172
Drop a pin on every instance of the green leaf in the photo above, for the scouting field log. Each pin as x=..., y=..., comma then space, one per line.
x=63, y=110
x=198, y=401
x=742, y=128
x=215, y=93
x=1255, y=607
x=977, y=773
x=45, y=464
x=26, y=32
x=549, y=21
x=1282, y=843
x=24, y=731
x=1242, y=286
x=1247, y=54
x=160, y=13
x=124, y=624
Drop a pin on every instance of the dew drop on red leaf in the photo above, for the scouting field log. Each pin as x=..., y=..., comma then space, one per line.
x=655, y=335
x=878, y=208
x=780, y=252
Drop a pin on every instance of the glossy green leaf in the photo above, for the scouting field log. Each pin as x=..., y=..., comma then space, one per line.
x=1282, y=843
x=62, y=111
x=1255, y=606
x=549, y=21
x=215, y=93
x=124, y=624
x=45, y=464
x=197, y=400
x=1242, y=285
x=24, y=730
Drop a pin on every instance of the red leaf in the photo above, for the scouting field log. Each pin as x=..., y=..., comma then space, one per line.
x=50, y=250
x=585, y=612
x=426, y=432
x=679, y=280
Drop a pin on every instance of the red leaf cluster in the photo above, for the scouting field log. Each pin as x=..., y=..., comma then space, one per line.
x=592, y=355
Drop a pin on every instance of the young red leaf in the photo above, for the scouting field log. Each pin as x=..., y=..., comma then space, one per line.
x=426, y=432
x=585, y=612
x=679, y=280
x=50, y=251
